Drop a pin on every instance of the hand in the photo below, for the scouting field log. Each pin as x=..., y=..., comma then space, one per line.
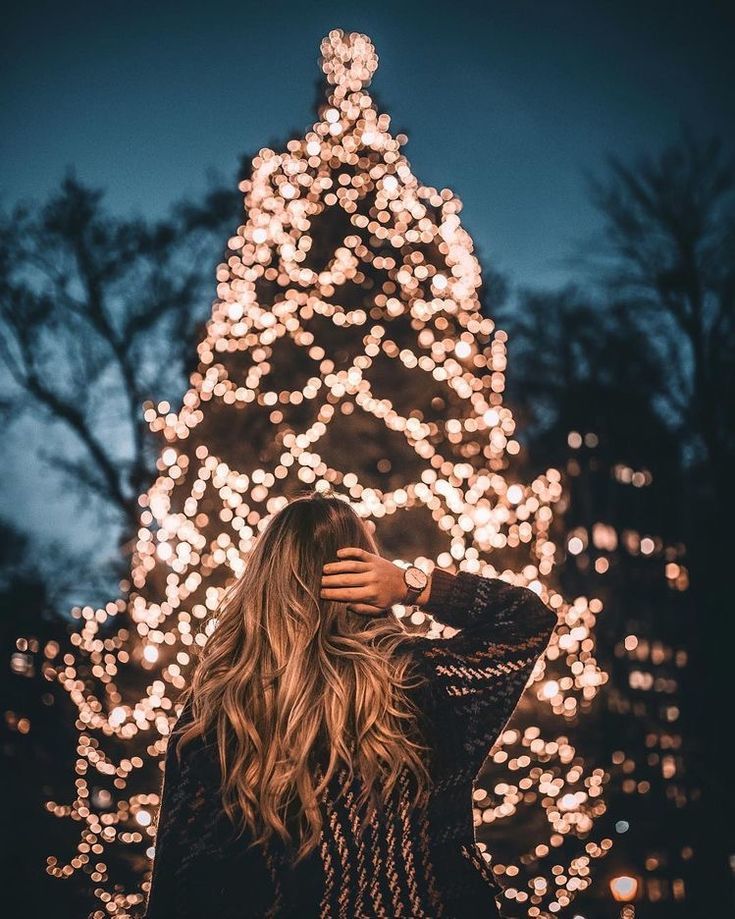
x=368, y=583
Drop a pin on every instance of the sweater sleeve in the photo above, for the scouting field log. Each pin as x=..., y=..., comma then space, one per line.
x=478, y=675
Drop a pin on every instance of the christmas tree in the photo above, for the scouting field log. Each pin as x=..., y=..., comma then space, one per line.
x=346, y=348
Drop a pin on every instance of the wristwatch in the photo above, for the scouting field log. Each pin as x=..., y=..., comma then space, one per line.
x=416, y=580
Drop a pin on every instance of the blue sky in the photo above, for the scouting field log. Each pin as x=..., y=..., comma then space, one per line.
x=504, y=102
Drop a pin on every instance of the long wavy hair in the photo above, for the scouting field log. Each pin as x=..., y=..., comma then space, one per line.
x=287, y=676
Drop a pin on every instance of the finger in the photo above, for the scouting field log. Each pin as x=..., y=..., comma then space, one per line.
x=345, y=579
x=344, y=594
x=353, y=552
x=349, y=565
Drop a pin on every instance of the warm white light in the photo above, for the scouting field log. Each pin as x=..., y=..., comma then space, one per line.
x=575, y=545
x=515, y=494
x=624, y=888
x=117, y=716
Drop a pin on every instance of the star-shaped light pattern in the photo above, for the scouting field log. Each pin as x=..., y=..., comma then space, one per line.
x=346, y=347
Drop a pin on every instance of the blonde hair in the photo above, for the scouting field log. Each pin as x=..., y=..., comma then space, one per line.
x=286, y=674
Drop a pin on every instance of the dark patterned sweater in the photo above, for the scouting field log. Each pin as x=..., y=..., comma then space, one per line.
x=410, y=863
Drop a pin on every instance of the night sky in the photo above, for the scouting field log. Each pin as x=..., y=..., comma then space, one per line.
x=507, y=103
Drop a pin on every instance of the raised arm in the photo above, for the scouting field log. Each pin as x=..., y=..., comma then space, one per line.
x=478, y=675
x=487, y=606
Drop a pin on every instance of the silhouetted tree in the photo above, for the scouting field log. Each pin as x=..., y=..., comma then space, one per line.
x=643, y=362
x=669, y=257
x=97, y=314
x=577, y=362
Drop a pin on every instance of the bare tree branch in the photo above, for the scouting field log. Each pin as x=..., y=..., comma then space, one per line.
x=88, y=305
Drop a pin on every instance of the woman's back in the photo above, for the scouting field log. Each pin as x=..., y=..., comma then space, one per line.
x=410, y=862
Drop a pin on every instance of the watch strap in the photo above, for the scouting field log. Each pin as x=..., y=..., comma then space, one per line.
x=412, y=595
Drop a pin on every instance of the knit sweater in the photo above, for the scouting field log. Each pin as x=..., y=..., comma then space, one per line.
x=418, y=863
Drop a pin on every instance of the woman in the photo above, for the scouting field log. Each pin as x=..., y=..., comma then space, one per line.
x=323, y=762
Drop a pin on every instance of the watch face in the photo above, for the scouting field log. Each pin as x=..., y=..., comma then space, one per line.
x=416, y=578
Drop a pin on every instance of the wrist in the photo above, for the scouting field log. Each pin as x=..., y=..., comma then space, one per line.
x=423, y=597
